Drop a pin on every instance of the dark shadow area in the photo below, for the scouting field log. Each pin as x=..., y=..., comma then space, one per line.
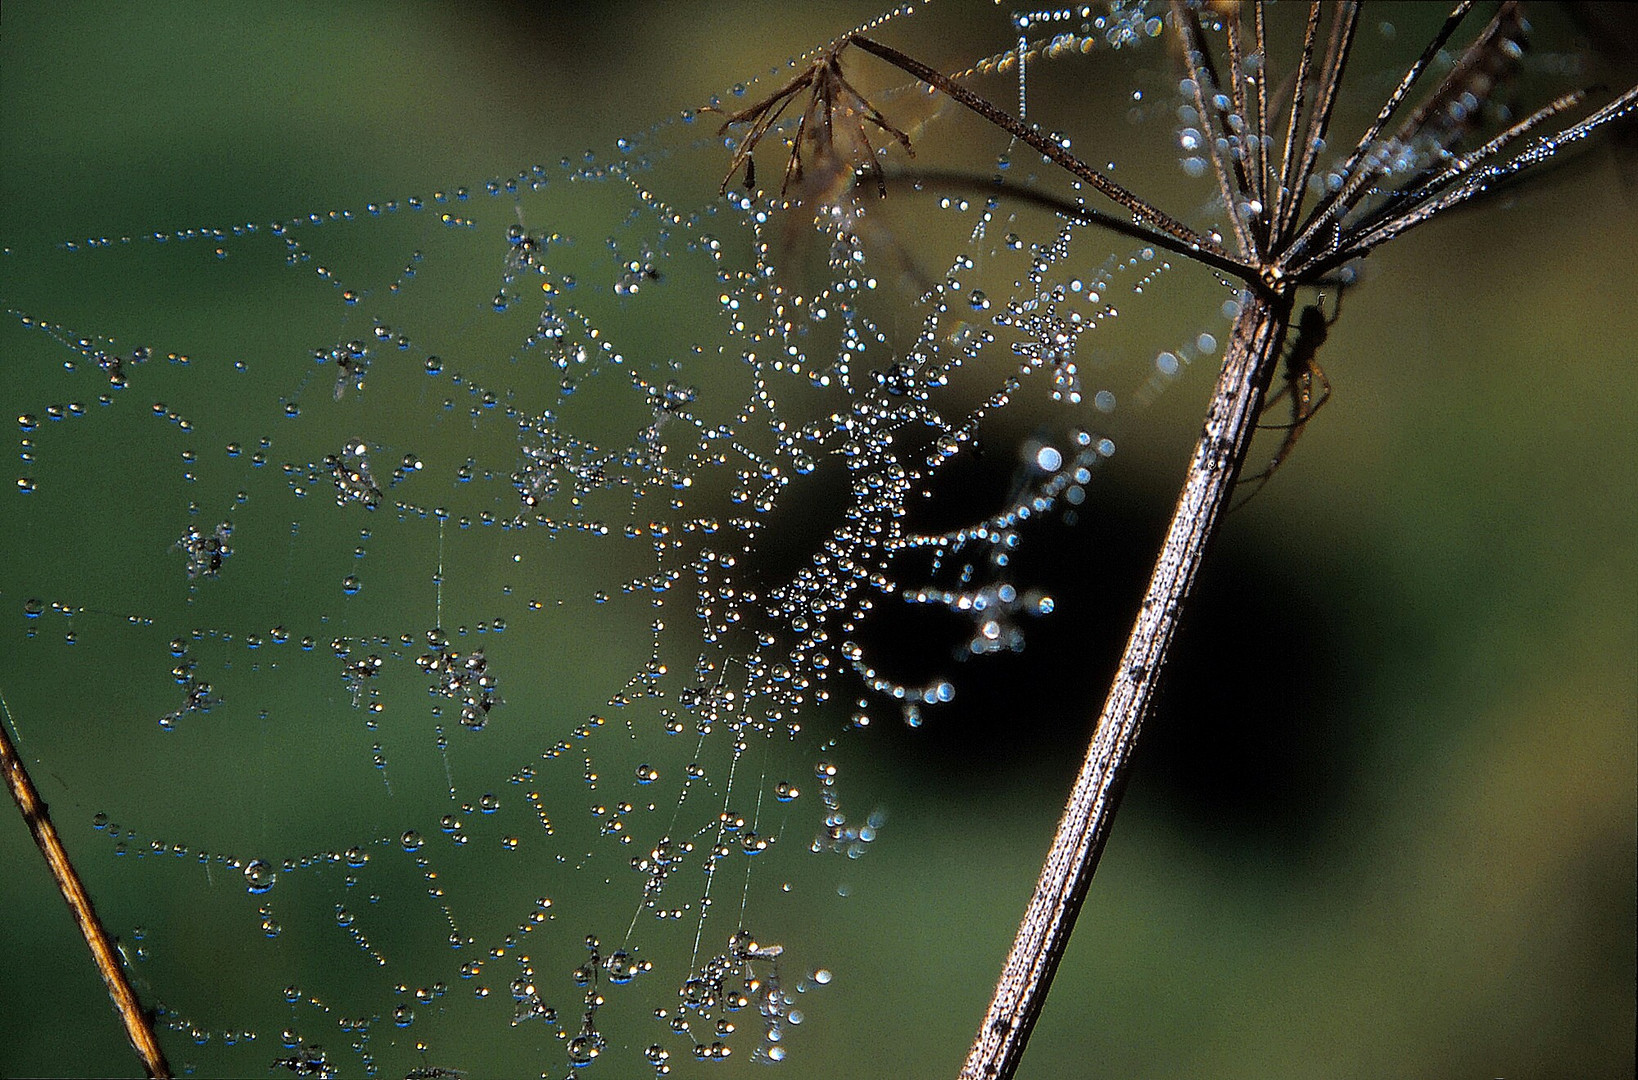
x=1248, y=741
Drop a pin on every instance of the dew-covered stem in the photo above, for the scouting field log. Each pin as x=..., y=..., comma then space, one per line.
x=1252, y=356
x=38, y=817
x=1053, y=151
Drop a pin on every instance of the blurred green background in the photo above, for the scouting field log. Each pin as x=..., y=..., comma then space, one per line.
x=1383, y=823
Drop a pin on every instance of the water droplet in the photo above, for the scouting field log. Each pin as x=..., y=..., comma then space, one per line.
x=582, y=1049
x=259, y=876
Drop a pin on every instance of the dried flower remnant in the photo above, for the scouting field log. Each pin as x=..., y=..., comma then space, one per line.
x=830, y=143
x=1277, y=253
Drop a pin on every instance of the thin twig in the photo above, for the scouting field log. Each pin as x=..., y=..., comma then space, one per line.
x=1489, y=57
x=1289, y=195
x=137, y=1027
x=1367, y=141
x=1479, y=181
x=1360, y=168
x=1138, y=208
x=1252, y=356
x=1319, y=122
x=1228, y=168
x=1404, y=206
x=949, y=180
x=1238, y=98
x=1260, y=136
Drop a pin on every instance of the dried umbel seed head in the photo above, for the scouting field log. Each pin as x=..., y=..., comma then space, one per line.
x=830, y=143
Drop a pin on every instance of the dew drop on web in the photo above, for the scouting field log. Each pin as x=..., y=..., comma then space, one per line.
x=632, y=473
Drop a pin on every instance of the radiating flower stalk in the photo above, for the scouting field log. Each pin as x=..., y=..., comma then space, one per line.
x=1396, y=177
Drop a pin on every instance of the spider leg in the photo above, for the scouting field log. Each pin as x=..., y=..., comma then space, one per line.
x=1305, y=401
x=1274, y=399
x=1304, y=404
x=1314, y=401
x=1303, y=375
x=1303, y=408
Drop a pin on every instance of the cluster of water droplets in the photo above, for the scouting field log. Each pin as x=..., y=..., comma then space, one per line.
x=585, y=454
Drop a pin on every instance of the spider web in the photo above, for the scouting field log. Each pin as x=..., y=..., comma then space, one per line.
x=464, y=609
x=452, y=575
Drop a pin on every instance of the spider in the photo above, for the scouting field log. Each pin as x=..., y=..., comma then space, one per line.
x=1305, y=385
x=829, y=93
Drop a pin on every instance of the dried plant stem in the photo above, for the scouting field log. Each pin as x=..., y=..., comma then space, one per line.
x=137, y=1027
x=1168, y=228
x=1252, y=357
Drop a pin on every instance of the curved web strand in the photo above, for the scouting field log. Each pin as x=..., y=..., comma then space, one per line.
x=462, y=579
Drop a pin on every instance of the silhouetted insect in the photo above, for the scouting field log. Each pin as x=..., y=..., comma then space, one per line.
x=1304, y=384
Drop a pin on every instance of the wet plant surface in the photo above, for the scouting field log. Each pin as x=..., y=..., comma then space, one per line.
x=566, y=616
